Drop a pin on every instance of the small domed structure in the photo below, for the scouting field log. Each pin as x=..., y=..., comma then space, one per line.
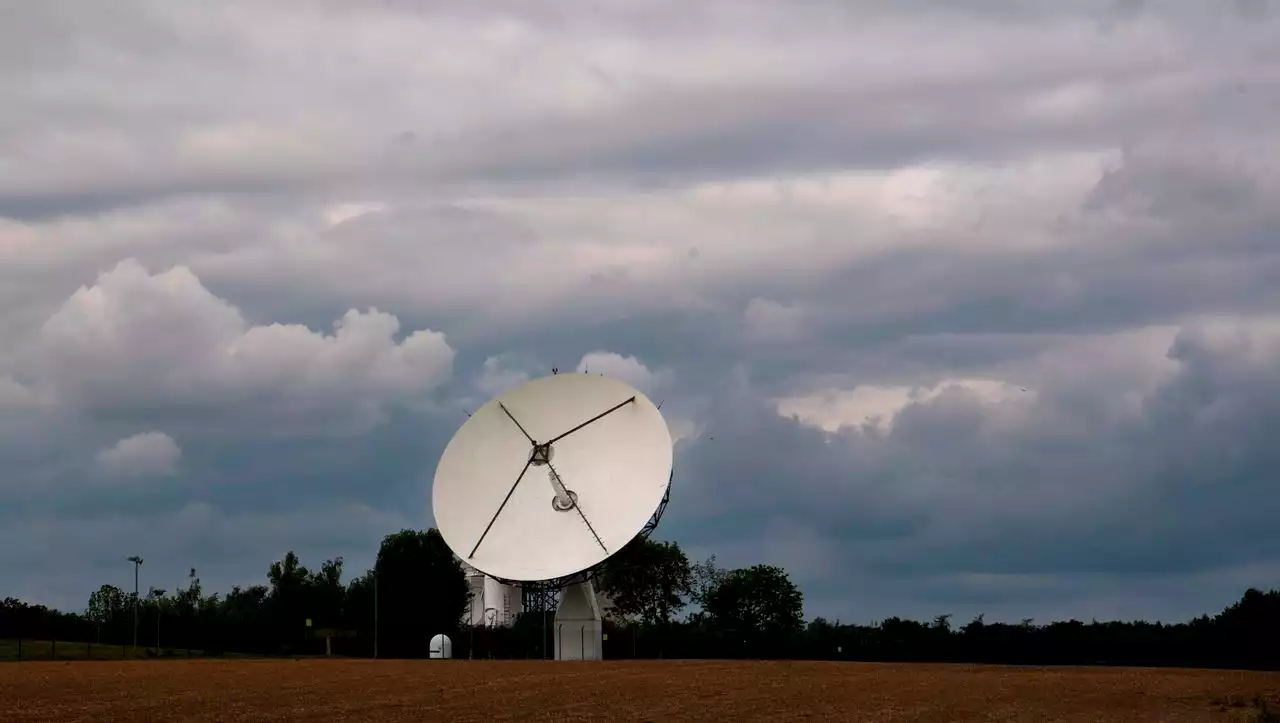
x=441, y=646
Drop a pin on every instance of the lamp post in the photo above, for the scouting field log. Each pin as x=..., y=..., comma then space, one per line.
x=137, y=562
x=195, y=607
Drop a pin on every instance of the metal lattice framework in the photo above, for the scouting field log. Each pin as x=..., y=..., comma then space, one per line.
x=538, y=597
x=652, y=524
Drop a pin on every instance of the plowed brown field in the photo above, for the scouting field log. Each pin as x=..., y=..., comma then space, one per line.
x=384, y=690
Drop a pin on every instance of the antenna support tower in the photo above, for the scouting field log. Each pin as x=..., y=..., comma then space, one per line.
x=607, y=455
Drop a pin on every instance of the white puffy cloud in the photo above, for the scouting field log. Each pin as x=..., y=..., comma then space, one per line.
x=771, y=321
x=680, y=406
x=147, y=454
x=682, y=429
x=499, y=373
x=877, y=406
x=1116, y=370
x=624, y=368
x=163, y=342
x=342, y=212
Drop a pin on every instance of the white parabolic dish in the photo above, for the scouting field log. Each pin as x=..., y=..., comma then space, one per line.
x=617, y=467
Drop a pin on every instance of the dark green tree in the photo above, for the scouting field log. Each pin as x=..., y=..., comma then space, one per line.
x=107, y=604
x=705, y=576
x=357, y=604
x=287, y=597
x=325, y=594
x=106, y=612
x=755, y=602
x=299, y=594
x=192, y=614
x=1251, y=627
x=243, y=621
x=647, y=580
x=422, y=590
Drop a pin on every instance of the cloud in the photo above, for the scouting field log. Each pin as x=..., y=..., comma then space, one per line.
x=624, y=368
x=878, y=406
x=343, y=212
x=960, y=481
x=496, y=376
x=784, y=221
x=147, y=454
x=135, y=340
x=15, y=395
x=772, y=321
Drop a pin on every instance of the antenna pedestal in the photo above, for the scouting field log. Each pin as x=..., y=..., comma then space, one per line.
x=578, y=631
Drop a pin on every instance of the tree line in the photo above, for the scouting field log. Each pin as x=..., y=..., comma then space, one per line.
x=420, y=587
x=660, y=604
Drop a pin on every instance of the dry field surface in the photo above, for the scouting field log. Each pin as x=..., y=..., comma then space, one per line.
x=357, y=690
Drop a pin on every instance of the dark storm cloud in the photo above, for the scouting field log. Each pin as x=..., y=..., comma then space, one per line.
x=1185, y=488
x=70, y=203
x=762, y=202
x=1109, y=289
x=1112, y=277
x=753, y=131
x=802, y=123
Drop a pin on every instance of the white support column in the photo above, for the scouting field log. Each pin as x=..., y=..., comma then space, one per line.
x=578, y=633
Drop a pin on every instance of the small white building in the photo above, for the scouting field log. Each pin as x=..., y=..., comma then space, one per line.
x=441, y=647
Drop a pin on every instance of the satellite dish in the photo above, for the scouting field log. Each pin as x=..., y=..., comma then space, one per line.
x=550, y=478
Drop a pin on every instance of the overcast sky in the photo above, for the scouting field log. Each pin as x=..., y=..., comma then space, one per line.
x=979, y=299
